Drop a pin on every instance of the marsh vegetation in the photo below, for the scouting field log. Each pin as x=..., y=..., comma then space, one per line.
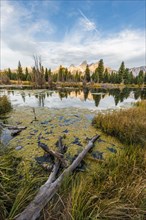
x=109, y=184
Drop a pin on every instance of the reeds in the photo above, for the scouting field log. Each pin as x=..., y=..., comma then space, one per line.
x=18, y=185
x=129, y=125
x=114, y=190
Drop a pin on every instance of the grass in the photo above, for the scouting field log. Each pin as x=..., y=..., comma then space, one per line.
x=16, y=189
x=129, y=125
x=5, y=104
x=114, y=190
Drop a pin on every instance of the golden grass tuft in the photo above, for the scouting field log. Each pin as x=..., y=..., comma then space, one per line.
x=129, y=125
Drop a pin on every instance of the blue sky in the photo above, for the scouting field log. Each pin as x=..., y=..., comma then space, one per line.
x=68, y=32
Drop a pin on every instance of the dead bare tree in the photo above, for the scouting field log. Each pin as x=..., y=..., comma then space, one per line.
x=38, y=76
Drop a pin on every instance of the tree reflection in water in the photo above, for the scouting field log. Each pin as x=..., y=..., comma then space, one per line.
x=86, y=94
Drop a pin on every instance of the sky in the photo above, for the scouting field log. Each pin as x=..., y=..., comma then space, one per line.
x=69, y=32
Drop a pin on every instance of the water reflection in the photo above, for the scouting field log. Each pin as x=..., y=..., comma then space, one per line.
x=86, y=98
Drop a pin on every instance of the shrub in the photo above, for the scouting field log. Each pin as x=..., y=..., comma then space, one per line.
x=5, y=105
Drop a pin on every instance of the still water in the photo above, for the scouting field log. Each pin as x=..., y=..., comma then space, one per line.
x=93, y=99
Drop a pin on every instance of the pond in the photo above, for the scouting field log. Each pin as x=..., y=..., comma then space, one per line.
x=67, y=113
x=91, y=99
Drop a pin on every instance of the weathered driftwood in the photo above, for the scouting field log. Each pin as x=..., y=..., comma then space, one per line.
x=62, y=148
x=4, y=117
x=11, y=127
x=47, y=191
x=34, y=113
x=15, y=132
x=55, y=154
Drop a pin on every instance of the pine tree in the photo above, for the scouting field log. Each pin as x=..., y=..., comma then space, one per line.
x=131, y=78
x=121, y=72
x=100, y=70
x=76, y=76
x=126, y=76
x=25, y=76
x=19, y=71
x=112, y=77
x=9, y=74
x=49, y=73
x=87, y=74
x=96, y=76
x=145, y=78
x=66, y=74
x=140, y=77
x=106, y=76
x=46, y=75
x=60, y=74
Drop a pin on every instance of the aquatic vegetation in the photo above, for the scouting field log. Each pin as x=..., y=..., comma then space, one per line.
x=5, y=104
x=112, y=182
x=128, y=125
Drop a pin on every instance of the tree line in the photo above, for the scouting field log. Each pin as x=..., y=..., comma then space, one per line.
x=40, y=75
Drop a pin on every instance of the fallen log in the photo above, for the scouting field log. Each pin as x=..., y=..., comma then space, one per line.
x=4, y=117
x=15, y=132
x=47, y=191
x=11, y=127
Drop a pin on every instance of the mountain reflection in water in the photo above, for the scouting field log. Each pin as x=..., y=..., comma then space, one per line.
x=86, y=98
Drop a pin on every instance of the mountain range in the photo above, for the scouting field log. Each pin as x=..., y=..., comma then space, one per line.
x=135, y=70
x=81, y=68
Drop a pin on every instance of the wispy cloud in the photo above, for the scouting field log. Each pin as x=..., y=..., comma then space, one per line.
x=89, y=25
x=23, y=36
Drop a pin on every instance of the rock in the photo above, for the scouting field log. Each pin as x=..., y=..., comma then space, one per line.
x=77, y=142
x=98, y=155
x=77, y=116
x=31, y=133
x=15, y=132
x=100, y=140
x=45, y=122
x=44, y=159
x=112, y=150
x=18, y=148
x=18, y=123
x=65, y=131
x=49, y=132
x=60, y=118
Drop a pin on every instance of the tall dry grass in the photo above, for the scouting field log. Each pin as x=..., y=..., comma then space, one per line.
x=129, y=125
x=114, y=190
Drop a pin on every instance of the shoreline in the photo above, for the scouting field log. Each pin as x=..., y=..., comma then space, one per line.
x=60, y=85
